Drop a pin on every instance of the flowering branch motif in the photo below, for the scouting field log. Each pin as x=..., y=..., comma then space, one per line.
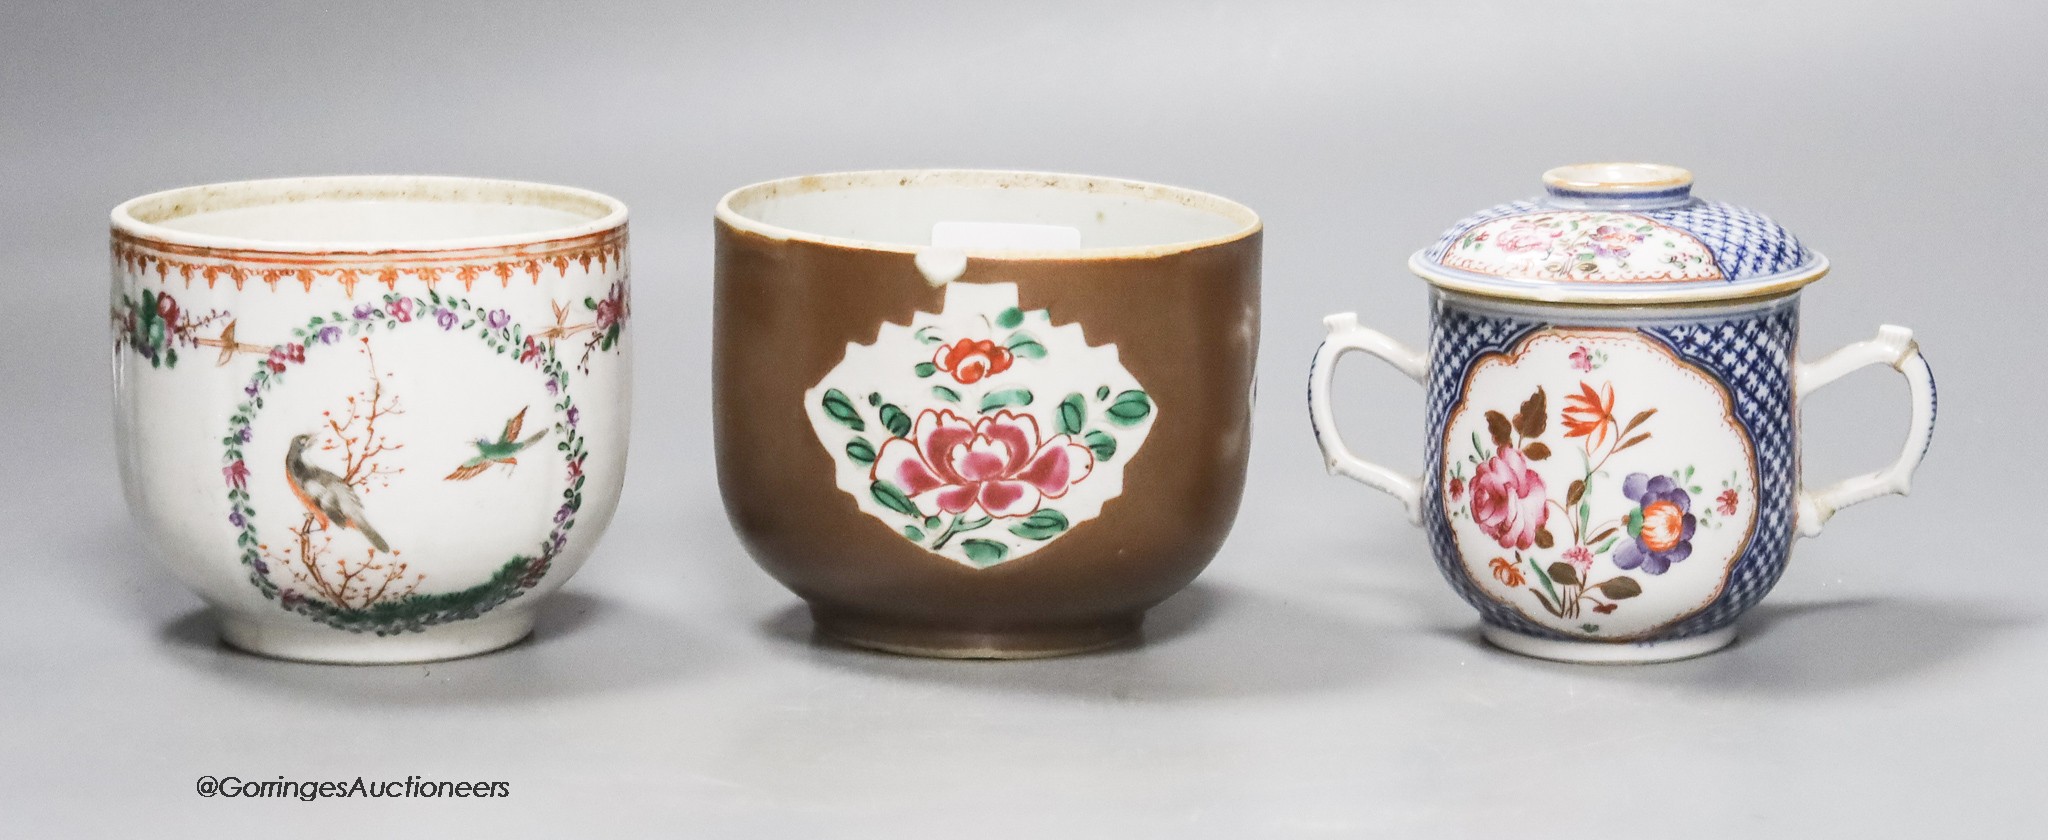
x=337, y=578
x=607, y=323
x=1511, y=504
x=154, y=326
x=378, y=594
x=1571, y=495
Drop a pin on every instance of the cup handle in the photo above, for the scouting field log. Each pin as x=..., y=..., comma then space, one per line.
x=1345, y=336
x=1894, y=346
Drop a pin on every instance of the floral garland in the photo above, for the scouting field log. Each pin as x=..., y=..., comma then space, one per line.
x=414, y=612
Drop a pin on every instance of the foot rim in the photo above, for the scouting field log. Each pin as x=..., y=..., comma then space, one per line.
x=1608, y=653
x=930, y=642
x=319, y=644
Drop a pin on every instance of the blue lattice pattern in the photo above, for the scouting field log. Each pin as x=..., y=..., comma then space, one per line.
x=1753, y=353
x=1745, y=244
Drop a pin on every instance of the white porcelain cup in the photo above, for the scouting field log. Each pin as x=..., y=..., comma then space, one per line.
x=372, y=419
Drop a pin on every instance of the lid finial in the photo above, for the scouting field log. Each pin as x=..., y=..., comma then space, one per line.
x=1618, y=186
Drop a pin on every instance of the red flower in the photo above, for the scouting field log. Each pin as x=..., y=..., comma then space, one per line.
x=1726, y=502
x=237, y=474
x=1506, y=572
x=530, y=352
x=997, y=463
x=167, y=309
x=1590, y=415
x=1457, y=489
x=969, y=360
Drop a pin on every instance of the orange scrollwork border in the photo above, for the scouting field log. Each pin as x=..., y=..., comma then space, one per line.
x=142, y=256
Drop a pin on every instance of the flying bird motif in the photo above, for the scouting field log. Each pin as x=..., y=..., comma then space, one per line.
x=501, y=451
x=326, y=495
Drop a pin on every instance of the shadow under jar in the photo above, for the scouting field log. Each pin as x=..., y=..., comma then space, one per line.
x=1613, y=385
x=371, y=419
x=981, y=414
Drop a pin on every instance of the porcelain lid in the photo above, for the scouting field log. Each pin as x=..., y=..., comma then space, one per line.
x=1619, y=233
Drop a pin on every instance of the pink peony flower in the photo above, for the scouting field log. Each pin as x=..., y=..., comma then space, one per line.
x=996, y=463
x=1507, y=499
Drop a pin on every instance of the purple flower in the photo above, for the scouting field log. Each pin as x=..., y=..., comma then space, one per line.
x=329, y=335
x=445, y=317
x=251, y=390
x=365, y=311
x=1660, y=527
x=562, y=515
x=556, y=542
x=244, y=435
x=574, y=415
x=262, y=568
x=552, y=387
x=498, y=319
x=235, y=519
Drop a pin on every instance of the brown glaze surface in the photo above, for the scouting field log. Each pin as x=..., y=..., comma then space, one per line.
x=1186, y=325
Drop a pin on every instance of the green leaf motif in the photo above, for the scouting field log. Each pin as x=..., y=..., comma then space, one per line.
x=925, y=369
x=1073, y=412
x=860, y=451
x=945, y=393
x=1025, y=345
x=1005, y=398
x=1100, y=443
x=1130, y=408
x=925, y=335
x=913, y=533
x=1010, y=318
x=892, y=498
x=1102, y=393
x=897, y=421
x=1043, y=525
x=984, y=553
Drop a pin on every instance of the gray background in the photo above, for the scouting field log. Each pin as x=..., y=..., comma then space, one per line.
x=1320, y=679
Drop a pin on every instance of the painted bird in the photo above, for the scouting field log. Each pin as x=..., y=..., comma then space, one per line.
x=326, y=495
x=490, y=453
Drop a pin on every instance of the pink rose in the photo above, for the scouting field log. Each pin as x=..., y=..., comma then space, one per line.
x=1525, y=237
x=996, y=463
x=1507, y=499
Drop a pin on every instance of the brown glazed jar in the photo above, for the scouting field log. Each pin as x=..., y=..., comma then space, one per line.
x=983, y=414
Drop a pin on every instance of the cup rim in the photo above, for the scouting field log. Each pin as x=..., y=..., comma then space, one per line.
x=1249, y=223
x=129, y=217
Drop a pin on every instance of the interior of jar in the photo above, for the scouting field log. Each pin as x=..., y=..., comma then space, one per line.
x=896, y=210
x=366, y=212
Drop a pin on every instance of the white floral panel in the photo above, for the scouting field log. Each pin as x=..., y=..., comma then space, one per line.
x=1597, y=483
x=1583, y=246
x=984, y=432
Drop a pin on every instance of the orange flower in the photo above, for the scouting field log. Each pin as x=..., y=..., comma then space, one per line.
x=969, y=360
x=1506, y=572
x=1590, y=414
